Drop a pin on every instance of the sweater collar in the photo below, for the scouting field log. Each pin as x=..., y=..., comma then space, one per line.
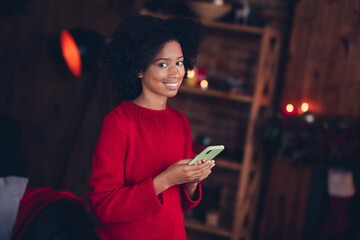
x=145, y=112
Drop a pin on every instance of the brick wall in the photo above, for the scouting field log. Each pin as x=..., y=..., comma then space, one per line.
x=223, y=121
x=228, y=54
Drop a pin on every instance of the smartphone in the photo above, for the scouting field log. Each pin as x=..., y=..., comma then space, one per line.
x=208, y=153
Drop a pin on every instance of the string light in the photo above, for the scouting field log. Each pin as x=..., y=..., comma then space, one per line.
x=191, y=73
x=204, y=84
x=191, y=79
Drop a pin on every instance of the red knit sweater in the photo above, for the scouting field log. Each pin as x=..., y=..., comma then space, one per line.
x=135, y=145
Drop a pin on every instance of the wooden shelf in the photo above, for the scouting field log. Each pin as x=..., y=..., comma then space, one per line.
x=192, y=224
x=234, y=27
x=228, y=164
x=217, y=25
x=217, y=94
x=232, y=165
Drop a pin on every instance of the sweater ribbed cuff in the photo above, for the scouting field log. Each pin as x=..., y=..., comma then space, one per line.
x=149, y=194
x=190, y=203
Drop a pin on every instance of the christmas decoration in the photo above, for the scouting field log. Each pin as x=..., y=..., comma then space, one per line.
x=307, y=138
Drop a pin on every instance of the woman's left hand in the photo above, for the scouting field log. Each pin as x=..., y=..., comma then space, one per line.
x=206, y=171
x=191, y=186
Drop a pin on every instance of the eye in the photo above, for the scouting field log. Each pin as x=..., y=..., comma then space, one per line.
x=180, y=63
x=162, y=65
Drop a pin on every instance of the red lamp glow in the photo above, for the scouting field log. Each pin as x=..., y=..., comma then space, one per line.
x=70, y=52
x=80, y=49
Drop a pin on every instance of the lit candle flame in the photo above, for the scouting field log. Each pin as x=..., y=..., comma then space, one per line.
x=289, y=108
x=304, y=107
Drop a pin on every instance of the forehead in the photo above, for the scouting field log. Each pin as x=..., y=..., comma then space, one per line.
x=170, y=49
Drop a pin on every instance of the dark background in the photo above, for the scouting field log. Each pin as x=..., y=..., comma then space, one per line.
x=58, y=117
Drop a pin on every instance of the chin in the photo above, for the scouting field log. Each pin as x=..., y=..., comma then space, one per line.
x=172, y=94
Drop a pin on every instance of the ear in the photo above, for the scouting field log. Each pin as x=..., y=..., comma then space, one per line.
x=140, y=75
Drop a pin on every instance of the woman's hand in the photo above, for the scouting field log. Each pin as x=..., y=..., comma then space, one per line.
x=191, y=186
x=180, y=172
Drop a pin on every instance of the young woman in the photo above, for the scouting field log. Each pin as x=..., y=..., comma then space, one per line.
x=141, y=179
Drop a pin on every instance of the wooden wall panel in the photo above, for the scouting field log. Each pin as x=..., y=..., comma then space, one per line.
x=284, y=208
x=323, y=56
x=322, y=67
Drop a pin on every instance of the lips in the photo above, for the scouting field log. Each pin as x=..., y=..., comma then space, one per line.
x=172, y=86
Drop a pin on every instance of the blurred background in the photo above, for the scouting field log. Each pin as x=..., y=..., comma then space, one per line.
x=277, y=82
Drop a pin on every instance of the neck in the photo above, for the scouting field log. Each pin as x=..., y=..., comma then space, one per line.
x=154, y=104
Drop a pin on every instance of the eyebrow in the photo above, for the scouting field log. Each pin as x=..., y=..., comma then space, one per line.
x=166, y=59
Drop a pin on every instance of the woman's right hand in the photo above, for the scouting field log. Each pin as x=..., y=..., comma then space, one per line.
x=180, y=172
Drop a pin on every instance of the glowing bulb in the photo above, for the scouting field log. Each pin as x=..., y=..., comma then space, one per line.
x=289, y=108
x=191, y=73
x=204, y=84
x=304, y=107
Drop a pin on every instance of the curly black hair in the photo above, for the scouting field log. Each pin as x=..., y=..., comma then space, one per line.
x=135, y=43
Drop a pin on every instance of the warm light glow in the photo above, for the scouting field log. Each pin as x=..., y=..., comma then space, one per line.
x=289, y=108
x=204, y=84
x=304, y=107
x=310, y=118
x=191, y=73
x=70, y=52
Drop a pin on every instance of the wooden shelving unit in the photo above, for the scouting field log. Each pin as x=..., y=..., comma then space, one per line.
x=215, y=93
x=218, y=25
x=249, y=179
x=228, y=164
x=210, y=229
x=232, y=165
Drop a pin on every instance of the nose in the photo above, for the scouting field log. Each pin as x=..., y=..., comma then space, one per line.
x=174, y=71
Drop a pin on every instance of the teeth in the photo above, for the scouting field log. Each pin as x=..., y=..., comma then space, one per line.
x=171, y=84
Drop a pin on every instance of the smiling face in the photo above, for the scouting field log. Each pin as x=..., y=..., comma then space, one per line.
x=164, y=75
